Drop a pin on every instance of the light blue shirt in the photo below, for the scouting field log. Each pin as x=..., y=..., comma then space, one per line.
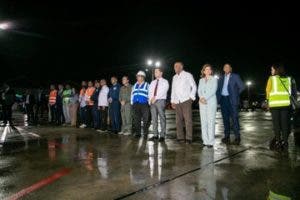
x=225, y=85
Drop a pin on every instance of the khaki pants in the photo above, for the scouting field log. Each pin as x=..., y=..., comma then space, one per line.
x=184, y=115
x=73, y=113
x=126, y=118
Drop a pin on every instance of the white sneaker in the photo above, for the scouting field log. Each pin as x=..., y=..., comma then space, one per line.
x=126, y=133
x=82, y=126
x=120, y=133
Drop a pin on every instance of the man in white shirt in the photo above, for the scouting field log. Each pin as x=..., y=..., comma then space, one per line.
x=182, y=96
x=157, y=99
x=103, y=105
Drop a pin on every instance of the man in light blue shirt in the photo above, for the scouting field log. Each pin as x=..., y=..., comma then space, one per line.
x=229, y=89
x=225, y=85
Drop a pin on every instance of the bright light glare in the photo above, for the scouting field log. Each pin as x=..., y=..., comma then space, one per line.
x=157, y=64
x=149, y=62
x=4, y=26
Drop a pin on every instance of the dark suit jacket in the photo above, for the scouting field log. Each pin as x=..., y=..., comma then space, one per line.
x=9, y=97
x=114, y=92
x=235, y=88
x=32, y=99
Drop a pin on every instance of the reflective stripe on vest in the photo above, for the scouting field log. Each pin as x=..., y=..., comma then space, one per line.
x=67, y=96
x=279, y=96
x=52, y=97
x=88, y=94
x=140, y=93
x=274, y=196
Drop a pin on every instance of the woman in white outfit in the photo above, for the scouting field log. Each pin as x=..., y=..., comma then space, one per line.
x=208, y=105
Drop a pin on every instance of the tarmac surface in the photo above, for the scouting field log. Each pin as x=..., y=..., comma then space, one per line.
x=73, y=163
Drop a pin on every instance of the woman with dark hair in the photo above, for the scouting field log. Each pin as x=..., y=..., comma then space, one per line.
x=208, y=105
x=279, y=89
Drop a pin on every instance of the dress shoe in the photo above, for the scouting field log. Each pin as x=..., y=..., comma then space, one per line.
x=226, y=140
x=145, y=136
x=188, y=141
x=237, y=141
x=180, y=140
x=284, y=146
x=153, y=138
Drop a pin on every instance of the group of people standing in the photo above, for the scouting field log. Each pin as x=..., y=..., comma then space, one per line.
x=226, y=91
x=129, y=108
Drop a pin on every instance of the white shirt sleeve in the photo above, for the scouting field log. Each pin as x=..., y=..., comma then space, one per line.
x=173, y=91
x=199, y=90
x=167, y=85
x=131, y=98
x=193, y=87
x=151, y=90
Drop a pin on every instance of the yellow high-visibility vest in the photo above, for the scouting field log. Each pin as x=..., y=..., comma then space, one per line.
x=274, y=196
x=280, y=92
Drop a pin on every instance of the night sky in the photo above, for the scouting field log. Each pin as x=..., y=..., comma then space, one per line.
x=74, y=41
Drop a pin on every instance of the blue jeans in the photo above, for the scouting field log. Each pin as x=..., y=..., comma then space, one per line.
x=96, y=117
x=83, y=115
x=115, y=116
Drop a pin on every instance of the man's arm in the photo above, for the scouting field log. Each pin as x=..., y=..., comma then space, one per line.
x=150, y=93
x=193, y=87
x=240, y=84
x=294, y=88
x=172, y=92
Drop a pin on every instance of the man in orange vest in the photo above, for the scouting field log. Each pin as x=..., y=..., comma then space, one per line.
x=90, y=103
x=52, y=103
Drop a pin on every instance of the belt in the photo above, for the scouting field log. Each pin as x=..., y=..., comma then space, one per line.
x=140, y=103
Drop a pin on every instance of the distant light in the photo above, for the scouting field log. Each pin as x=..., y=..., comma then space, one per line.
x=5, y=26
x=146, y=70
x=249, y=83
x=157, y=64
x=149, y=62
x=216, y=76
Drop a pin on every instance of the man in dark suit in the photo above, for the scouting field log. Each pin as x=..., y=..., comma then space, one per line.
x=41, y=104
x=115, y=106
x=229, y=89
x=7, y=100
x=29, y=105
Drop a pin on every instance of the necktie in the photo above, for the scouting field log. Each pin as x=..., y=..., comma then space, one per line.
x=155, y=89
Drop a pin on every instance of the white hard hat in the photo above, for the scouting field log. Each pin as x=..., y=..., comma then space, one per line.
x=141, y=73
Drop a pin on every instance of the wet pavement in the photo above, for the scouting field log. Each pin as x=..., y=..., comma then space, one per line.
x=86, y=165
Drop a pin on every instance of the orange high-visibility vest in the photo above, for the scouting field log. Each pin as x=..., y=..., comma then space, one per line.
x=88, y=94
x=52, y=97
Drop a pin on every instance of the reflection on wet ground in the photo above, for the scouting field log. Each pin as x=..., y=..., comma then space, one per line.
x=105, y=166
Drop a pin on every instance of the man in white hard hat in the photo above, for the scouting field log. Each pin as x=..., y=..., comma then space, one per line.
x=140, y=106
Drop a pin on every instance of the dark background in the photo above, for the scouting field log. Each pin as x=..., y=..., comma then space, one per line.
x=58, y=42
